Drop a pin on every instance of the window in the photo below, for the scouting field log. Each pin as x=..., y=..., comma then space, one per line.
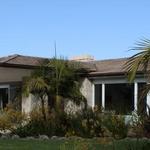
x=119, y=97
x=4, y=94
x=98, y=94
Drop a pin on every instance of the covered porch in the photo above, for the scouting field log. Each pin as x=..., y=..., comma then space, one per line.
x=118, y=95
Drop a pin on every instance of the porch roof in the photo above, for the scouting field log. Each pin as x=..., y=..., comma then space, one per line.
x=109, y=67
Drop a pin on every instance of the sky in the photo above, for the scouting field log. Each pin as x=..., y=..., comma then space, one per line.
x=101, y=28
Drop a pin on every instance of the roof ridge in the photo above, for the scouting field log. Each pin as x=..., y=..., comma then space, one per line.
x=11, y=57
x=123, y=58
x=34, y=56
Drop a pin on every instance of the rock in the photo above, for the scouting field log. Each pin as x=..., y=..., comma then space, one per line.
x=130, y=139
x=145, y=139
x=79, y=138
x=96, y=138
x=15, y=137
x=107, y=133
x=29, y=138
x=131, y=134
x=54, y=137
x=5, y=136
x=43, y=137
x=75, y=138
x=105, y=140
x=62, y=138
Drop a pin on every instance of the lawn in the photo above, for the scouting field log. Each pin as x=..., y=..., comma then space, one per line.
x=73, y=145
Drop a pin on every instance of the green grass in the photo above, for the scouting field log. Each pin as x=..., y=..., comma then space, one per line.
x=73, y=145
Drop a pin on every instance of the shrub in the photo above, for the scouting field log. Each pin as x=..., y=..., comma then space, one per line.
x=141, y=125
x=87, y=123
x=55, y=124
x=146, y=126
x=137, y=125
x=35, y=125
x=116, y=125
x=11, y=119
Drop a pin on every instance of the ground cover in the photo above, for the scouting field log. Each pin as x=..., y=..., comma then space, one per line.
x=85, y=144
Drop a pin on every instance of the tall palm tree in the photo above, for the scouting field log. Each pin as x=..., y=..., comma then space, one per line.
x=65, y=79
x=140, y=62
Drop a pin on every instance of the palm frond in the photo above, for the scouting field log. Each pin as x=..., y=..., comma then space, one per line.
x=34, y=85
x=140, y=61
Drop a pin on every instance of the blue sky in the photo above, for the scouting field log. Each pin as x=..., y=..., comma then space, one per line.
x=102, y=28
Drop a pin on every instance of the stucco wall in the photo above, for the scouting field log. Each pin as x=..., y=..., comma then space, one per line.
x=13, y=74
x=12, y=77
x=86, y=90
x=29, y=103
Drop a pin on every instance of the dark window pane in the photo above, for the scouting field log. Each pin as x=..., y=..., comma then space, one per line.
x=141, y=98
x=98, y=94
x=119, y=97
x=15, y=96
x=3, y=97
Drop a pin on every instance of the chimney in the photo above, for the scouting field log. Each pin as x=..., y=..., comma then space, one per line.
x=83, y=58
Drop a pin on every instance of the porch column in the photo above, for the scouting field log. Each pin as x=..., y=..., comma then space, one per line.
x=93, y=95
x=103, y=95
x=135, y=95
x=148, y=102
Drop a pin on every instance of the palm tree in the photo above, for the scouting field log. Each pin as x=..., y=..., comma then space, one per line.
x=140, y=63
x=38, y=87
x=56, y=79
x=65, y=80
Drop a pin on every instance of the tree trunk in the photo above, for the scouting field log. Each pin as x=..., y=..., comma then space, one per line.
x=43, y=109
x=51, y=102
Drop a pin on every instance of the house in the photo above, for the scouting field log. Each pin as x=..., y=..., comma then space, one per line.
x=105, y=85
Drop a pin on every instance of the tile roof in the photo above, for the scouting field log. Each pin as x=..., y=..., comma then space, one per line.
x=109, y=66
x=100, y=67
x=29, y=61
x=22, y=61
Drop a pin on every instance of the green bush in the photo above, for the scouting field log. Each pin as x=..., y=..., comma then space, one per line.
x=55, y=124
x=116, y=125
x=141, y=125
x=87, y=123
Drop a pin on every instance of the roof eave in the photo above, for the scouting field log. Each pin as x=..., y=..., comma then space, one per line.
x=95, y=74
x=18, y=66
